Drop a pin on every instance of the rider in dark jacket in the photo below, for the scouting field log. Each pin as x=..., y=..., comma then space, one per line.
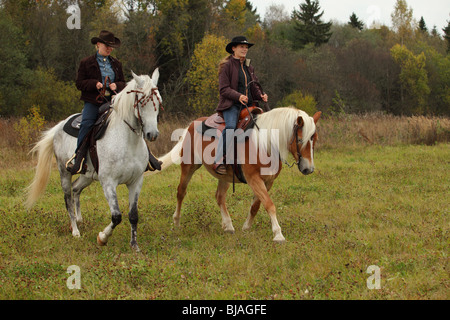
x=235, y=75
x=91, y=76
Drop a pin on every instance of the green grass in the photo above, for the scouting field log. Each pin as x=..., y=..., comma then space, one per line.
x=383, y=206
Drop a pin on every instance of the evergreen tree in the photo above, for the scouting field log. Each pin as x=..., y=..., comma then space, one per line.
x=447, y=35
x=308, y=25
x=355, y=22
x=423, y=26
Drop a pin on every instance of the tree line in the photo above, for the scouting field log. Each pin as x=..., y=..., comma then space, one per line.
x=300, y=59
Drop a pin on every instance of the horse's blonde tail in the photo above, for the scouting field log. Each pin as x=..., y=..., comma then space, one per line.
x=172, y=157
x=44, y=151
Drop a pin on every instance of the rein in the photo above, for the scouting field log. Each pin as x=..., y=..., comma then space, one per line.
x=101, y=98
x=246, y=105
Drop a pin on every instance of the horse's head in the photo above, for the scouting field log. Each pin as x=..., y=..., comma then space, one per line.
x=147, y=103
x=303, y=140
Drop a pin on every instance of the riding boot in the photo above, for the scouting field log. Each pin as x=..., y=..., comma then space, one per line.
x=153, y=163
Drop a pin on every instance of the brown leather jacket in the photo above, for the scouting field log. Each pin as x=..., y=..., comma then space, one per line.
x=89, y=74
x=229, y=81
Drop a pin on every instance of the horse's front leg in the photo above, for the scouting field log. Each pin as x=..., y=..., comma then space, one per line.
x=133, y=197
x=116, y=216
x=251, y=215
x=254, y=208
x=260, y=190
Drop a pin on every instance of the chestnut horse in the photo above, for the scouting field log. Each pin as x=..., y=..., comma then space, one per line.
x=260, y=153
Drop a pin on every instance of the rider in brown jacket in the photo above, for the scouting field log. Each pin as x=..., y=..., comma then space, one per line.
x=237, y=87
x=92, y=72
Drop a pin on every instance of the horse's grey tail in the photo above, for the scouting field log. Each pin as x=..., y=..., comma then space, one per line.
x=173, y=156
x=44, y=151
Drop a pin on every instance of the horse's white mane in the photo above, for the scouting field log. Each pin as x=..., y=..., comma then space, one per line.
x=123, y=102
x=283, y=120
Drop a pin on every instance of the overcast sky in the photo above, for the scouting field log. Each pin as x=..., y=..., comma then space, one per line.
x=435, y=12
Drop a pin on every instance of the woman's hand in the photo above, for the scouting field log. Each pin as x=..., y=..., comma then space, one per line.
x=113, y=86
x=99, y=85
x=265, y=97
x=243, y=99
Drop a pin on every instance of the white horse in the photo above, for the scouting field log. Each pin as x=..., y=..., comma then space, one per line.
x=122, y=155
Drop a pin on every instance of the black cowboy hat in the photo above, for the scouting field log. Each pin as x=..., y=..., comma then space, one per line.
x=237, y=40
x=107, y=38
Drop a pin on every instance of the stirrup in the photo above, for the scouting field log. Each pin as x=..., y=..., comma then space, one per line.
x=70, y=163
x=220, y=169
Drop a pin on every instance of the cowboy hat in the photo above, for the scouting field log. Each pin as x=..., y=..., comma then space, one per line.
x=107, y=38
x=237, y=40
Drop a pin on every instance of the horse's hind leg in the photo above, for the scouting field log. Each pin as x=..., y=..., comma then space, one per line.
x=187, y=170
x=221, y=193
x=78, y=185
x=133, y=197
x=66, y=184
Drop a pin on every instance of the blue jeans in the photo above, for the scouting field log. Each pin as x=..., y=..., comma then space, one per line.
x=231, y=116
x=90, y=115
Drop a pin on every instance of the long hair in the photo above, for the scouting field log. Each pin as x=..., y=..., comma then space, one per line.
x=224, y=62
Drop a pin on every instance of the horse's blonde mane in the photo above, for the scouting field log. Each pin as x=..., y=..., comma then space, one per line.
x=123, y=102
x=283, y=120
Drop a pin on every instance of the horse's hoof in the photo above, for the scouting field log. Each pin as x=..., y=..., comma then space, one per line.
x=76, y=234
x=229, y=231
x=176, y=221
x=100, y=242
x=135, y=247
x=279, y=239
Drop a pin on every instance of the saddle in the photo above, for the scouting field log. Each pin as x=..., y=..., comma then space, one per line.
x=89, y=143
x=245, y=122
x=72, y=126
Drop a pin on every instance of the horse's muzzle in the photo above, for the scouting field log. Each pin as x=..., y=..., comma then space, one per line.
x=305, y=167
x=151, y=136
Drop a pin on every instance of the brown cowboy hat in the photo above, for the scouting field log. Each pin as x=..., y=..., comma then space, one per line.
x=107, y=38
x=235, y=41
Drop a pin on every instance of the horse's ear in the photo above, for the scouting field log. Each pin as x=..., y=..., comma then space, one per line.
x=155, y=76
x=300, y=122
x=139, y=81
x=316, y=116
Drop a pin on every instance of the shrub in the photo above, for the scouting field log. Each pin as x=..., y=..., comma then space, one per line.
x=28, y=127
x=57, y=99
x=300, y=101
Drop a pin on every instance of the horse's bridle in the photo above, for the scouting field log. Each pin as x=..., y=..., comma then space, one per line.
x=299, y=155
x=143, y=101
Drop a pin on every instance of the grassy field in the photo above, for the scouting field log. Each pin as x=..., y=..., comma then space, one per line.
x=368, y=203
